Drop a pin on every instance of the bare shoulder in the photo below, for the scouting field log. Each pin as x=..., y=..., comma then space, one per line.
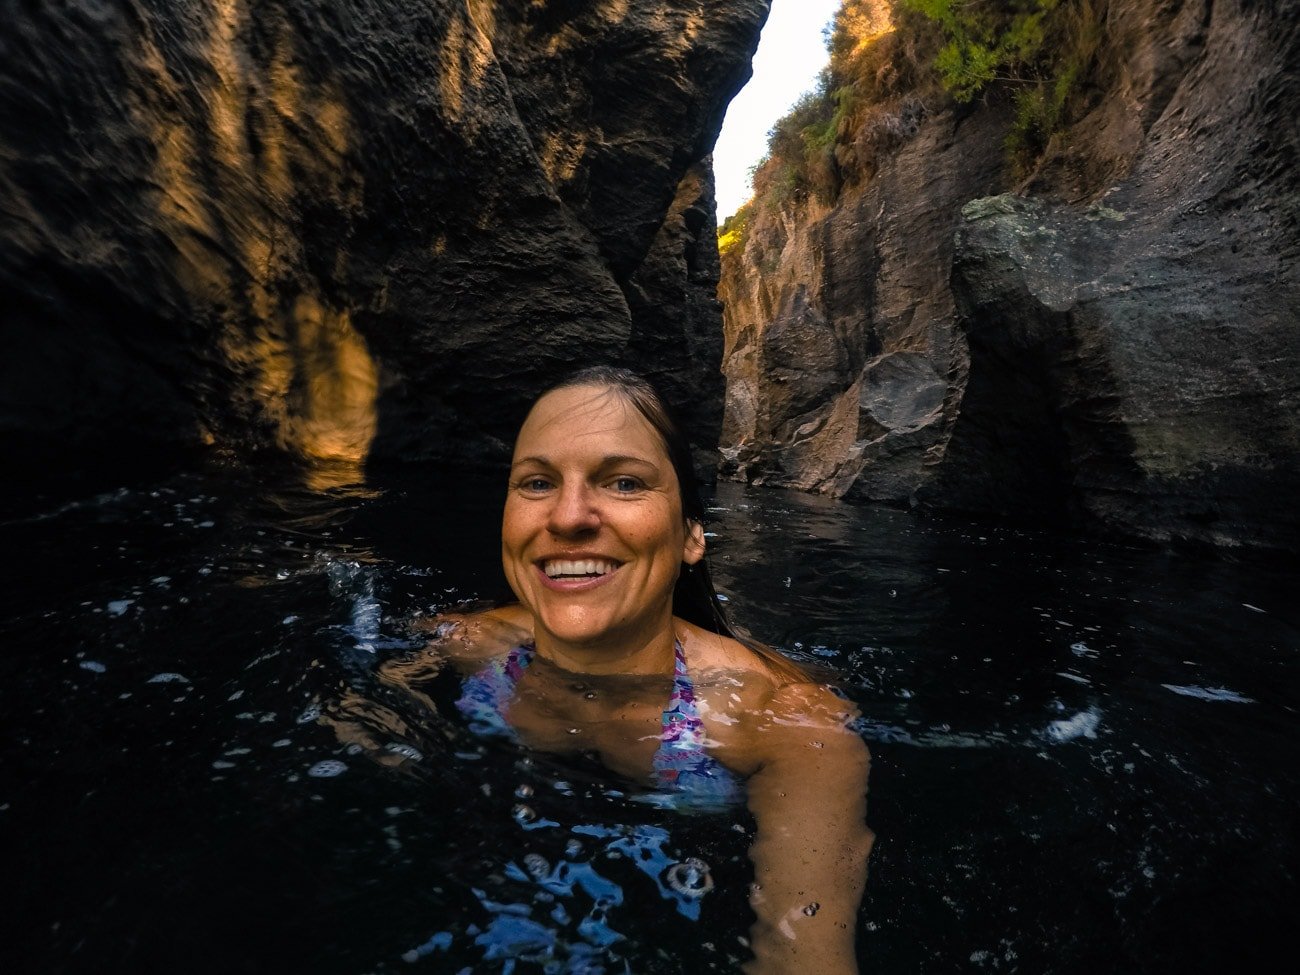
x=746, y=698
x=810, y=703
x=511, y=614
x=469, y=638
x=707, y=652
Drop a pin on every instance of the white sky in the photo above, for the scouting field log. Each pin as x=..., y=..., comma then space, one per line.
x=790, y=56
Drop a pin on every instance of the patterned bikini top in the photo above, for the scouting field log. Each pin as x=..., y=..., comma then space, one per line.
x=687, y=776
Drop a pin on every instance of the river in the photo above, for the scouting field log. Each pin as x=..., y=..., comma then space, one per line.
x=1084, y=752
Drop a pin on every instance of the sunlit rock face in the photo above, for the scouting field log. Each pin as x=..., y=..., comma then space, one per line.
x=351, y=229
x=1119, y=343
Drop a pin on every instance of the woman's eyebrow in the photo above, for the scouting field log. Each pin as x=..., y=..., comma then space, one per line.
x=614, y=460
x=611, y=460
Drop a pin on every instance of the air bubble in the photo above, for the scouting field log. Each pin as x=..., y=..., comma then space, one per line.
x=523, y=814
x=310, y=714
x=690, y=878
x=327, y=769
x=524, y=792
x=812, y=909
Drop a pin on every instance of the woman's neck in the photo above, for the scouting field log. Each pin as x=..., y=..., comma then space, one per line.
x=644, y=653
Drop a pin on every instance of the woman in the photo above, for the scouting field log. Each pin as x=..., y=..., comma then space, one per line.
x=603, y=545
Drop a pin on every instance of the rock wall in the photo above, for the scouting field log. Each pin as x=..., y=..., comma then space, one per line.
x=1118, y=341
x=350, y=229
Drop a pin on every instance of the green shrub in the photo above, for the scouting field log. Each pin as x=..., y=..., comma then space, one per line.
x=887, y=60
x=1046, y=49
x=735, y=230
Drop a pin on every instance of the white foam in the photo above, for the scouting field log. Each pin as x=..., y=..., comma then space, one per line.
x=1209, y=693
x=1082, y=725
x=168, y=678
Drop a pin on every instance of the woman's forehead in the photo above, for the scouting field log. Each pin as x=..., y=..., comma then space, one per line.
x=586, y=418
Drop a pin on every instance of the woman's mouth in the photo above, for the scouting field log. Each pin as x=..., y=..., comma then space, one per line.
x=577, y=570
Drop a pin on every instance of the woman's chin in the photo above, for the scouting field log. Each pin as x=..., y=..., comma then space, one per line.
x=575, y=634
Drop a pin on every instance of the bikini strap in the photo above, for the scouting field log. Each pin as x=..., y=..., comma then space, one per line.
x=682, y=727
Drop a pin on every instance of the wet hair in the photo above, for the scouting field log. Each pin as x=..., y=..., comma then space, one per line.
x=695, y=598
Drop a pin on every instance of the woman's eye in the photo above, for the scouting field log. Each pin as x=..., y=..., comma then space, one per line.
x=535, y=484
x=626, y=485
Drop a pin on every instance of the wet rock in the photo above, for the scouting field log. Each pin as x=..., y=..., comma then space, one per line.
x=1119, y=343
x=349, y=229
x=874, y=272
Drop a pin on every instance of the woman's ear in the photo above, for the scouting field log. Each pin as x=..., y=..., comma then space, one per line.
x=694, y=550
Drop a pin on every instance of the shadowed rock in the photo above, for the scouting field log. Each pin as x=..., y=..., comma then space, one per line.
x=349, y=229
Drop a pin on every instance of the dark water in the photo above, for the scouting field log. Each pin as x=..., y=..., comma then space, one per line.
x=1084, y=754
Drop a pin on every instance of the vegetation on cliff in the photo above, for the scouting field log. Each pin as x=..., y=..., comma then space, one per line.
x=892, y=63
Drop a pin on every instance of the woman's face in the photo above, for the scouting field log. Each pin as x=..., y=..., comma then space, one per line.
x=593, y=535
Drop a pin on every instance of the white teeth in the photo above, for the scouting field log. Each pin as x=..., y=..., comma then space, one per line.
x=581, y=567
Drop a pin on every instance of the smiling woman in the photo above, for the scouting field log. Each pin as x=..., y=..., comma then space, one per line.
x=594, y=535
x=618, y=647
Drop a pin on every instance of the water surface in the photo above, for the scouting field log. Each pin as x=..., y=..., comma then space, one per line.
x=1084, y=752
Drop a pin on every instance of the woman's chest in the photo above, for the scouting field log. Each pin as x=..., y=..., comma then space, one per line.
x=623, y=728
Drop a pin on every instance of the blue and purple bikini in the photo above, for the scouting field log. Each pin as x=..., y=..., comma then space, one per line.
x=683, y=768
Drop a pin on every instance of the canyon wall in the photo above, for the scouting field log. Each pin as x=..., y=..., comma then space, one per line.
x=1112, y=338
x=350, y=230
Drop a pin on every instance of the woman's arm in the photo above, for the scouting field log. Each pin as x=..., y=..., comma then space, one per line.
x=809, y=798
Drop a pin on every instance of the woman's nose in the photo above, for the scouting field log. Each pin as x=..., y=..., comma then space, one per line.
x=574, y=511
